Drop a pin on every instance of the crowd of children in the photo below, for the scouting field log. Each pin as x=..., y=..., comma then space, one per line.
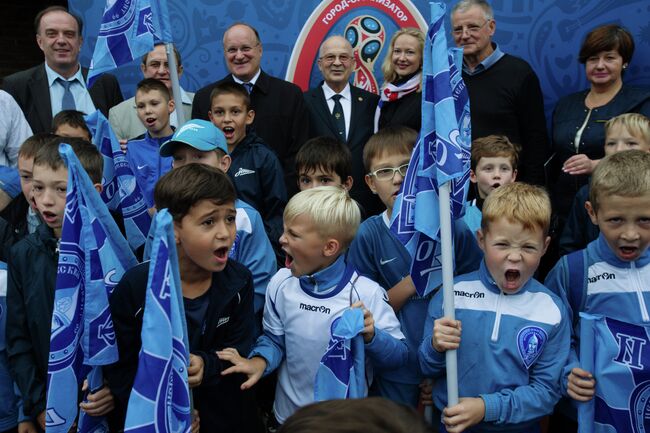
x=266, y=281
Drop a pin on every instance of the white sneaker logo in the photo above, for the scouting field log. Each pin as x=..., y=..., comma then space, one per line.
x=140, y=167
x=243, y=172
x=223, y=321
x=383, y=262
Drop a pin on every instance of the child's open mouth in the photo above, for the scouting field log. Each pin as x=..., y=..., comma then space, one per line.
x=628, y=252
x=150, y=120
x=48, y=216
x=221, y=254
x=228, y=131
x=288, y=260
x=512, y=275
x=496, y=185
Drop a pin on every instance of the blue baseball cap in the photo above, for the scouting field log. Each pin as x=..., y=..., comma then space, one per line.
x=197, y=133
x=9, y=181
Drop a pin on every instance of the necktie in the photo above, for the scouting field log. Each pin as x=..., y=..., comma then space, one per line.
x=249, y=87
x=67, y=102
x=339, y=119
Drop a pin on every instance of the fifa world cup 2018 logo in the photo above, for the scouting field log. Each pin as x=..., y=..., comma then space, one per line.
x=366, y=35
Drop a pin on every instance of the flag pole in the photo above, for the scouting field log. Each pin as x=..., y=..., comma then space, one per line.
x=447, y=262
x=176, y=87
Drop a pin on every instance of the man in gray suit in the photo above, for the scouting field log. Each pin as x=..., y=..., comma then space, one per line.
x=123, y=117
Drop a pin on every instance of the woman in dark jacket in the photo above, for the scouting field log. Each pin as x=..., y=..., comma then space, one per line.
x=579, y=119
x=401, y=94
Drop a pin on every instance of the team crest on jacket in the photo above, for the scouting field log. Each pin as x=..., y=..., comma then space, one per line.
x=530, y=343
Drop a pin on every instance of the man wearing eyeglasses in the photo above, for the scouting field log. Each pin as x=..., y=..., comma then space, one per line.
x=124, y=118
x=504, y=91
x=280, y=115
x=345, y=112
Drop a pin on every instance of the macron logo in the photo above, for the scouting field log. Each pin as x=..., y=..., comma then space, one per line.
x=243, y=172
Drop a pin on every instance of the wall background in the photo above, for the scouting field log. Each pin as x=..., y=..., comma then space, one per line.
x=546, y=33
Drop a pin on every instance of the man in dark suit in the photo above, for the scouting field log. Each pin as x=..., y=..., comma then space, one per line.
x=339, y=110
x=59, y=83
x=280, y=115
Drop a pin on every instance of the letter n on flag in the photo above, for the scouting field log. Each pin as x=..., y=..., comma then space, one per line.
x=618, y=355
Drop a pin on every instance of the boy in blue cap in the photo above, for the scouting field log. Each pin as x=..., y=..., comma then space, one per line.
x=199, y=141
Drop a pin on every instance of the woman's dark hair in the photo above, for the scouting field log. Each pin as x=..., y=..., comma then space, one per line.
x=606, y=38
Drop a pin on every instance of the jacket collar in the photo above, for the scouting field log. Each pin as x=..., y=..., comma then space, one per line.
x=325, y=280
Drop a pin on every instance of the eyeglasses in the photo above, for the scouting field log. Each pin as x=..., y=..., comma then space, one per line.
x=244, y=49
x=388, y=173
x=472, y=29
x=331, y=58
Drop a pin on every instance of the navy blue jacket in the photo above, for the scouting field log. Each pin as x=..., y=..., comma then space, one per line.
x=229, y=322
x=259, y=181
x=30, y=302
x=569, y=114
x=578, y=231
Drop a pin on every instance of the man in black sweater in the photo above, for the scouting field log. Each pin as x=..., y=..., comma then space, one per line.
x=504, y=91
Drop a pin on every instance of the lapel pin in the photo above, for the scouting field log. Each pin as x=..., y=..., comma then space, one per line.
x=360, y=98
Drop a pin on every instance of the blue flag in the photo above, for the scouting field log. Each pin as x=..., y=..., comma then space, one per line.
x=442, y=154
x=93, y=256
x=120, y=191
x=160, y=398
x=127, y=31
x=341, y=373
x=618, y=356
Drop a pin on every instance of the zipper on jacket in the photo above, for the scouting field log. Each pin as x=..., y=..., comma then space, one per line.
x=497, y=318
x=639, y=292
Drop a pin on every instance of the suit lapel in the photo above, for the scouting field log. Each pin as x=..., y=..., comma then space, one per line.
x=40, y=91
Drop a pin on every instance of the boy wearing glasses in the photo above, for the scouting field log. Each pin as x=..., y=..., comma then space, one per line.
x=379, y=255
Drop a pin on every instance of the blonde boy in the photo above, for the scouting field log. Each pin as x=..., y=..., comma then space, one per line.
x=619, y=204
x=625, y=132
x=511, y=357
x=304, y=299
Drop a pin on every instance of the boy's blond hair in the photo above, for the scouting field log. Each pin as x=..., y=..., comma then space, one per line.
x=494, y=146
x=518, y=202
x=333, y=212
x=626, y=174
x=636, y=125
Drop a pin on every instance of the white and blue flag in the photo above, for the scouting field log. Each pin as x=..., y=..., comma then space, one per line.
x=618, y=355
x=120, y=191
x=93, y=256
x=160, y=398
x=128, y=30
x=442, y=154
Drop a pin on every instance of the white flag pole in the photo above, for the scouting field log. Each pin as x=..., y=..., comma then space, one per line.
x=176, y=87
x=448, y=287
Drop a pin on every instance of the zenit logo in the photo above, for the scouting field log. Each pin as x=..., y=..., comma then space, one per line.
x=362, y=23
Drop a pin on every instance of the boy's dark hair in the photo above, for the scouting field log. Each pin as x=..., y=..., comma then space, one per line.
x=88, y=154
x=71, y=118
x=47, y=10
x=372, y=415
x=327, y=154
x=186, y=186
x=150, y=84
x=494, y=146
x=390, y=140
x=231, y=88
x=30, y=147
